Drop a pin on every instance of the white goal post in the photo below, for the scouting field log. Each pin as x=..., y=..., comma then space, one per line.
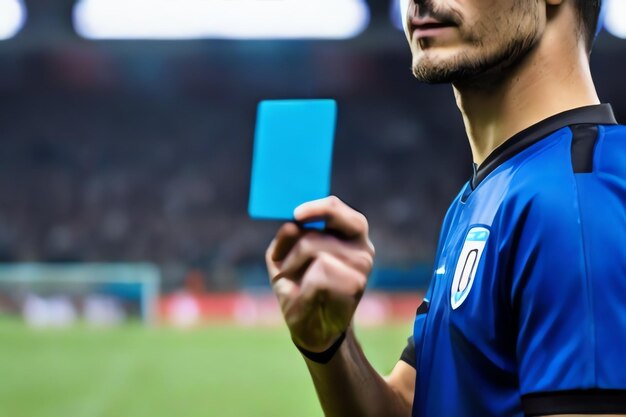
x=146, y=275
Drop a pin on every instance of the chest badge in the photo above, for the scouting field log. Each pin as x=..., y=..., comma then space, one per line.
x=467, y=265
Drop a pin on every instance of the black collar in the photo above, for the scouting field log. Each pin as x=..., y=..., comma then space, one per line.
x=601, y=114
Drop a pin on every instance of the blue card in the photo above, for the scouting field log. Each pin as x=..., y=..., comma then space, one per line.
x=293, y=149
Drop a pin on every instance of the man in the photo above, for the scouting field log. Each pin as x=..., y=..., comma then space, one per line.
x=526, y=312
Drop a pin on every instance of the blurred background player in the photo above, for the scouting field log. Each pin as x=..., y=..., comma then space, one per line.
x=522, y=316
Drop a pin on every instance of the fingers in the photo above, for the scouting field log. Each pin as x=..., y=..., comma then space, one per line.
x=286, y=237
x=325, y=303
x=314, y=244
x=328, y=293
x=286, y=290
x=337, y=286
x=294, y=248
x=339, y=216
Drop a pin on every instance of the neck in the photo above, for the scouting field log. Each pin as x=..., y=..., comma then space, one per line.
x=548, y=81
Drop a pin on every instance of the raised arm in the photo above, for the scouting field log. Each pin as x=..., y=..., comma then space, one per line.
x=319, y=278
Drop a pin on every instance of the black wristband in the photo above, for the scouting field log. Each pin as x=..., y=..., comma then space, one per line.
x=325, y=356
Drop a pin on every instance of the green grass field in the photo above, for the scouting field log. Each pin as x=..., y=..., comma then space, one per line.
x=135, y=372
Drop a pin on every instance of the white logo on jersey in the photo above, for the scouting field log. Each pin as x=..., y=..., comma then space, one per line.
x=467, y=265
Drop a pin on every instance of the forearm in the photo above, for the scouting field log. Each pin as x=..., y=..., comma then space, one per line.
x=349, y=386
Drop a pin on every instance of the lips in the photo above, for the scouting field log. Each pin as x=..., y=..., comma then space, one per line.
x=428, y=23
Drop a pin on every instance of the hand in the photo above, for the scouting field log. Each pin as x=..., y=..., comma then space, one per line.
x=320, y=276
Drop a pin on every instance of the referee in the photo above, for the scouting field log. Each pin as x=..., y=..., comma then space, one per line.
x=526, y=312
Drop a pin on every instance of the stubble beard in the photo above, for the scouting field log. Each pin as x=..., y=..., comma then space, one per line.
x=480, y=68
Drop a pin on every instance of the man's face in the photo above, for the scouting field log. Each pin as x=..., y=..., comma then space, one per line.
x=456, y=41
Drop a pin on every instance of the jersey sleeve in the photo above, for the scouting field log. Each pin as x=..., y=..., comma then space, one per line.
x=409, y=354
x=566, y=261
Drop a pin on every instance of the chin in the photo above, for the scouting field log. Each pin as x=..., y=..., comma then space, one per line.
x=435, y=69
x=456, y=65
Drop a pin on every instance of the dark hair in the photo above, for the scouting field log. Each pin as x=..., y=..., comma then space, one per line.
x=588, y=13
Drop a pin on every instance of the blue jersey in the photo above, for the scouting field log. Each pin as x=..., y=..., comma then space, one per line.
x=526, y=312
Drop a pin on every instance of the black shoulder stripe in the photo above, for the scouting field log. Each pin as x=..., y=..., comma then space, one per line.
x=408, y=354
x=590, y=115
x=423, y=308
x=584, y=139
x=594, y=401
